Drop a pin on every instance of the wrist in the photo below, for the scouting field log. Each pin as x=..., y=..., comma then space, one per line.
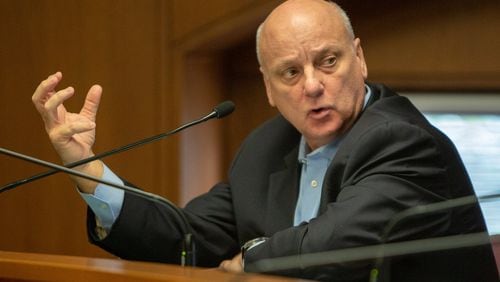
x=250, y=245
x=94, y=169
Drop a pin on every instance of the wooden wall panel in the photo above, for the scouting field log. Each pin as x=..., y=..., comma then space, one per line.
x=201, y=146
x=118, y=44
x=246, y=88
x=194, y=17
x=199, y=46
x=430, y=45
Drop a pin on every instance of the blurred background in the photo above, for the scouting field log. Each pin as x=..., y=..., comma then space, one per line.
x=165, y=62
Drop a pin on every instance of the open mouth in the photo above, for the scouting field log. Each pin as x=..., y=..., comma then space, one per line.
x=319, y=113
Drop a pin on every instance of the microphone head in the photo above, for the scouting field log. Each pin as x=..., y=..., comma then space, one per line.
x=223, y=109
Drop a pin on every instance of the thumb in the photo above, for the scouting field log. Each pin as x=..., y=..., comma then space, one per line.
x=92, y=101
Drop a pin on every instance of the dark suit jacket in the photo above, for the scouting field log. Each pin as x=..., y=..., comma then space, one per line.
x=392, y=159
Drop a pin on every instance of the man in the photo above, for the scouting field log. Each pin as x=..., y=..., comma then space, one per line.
x=329, y=173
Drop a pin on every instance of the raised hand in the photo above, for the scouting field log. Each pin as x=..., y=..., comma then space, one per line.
x=71, y=134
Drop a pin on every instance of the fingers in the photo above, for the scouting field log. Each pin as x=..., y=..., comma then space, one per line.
x=224, y=265
x=53, y=111
x=72, y=134
x=233, y=265
x=44, y=92
x=45, y=89
x=92, y=101
x=49, y=103
x=63, y=133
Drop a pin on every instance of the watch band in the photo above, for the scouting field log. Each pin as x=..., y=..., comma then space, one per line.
x=250, y=245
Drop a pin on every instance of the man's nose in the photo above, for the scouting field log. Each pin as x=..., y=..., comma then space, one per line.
x=313, y=85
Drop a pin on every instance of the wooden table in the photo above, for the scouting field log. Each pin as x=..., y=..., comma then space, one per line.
x=16, y=266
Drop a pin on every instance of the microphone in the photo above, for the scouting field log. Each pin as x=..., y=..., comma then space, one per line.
x=188, y=252
x=220, y=111
x=223, y=109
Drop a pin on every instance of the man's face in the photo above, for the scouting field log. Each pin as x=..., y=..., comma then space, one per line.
x=314, y=74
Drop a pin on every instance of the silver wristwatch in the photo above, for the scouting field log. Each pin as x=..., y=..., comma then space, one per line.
x=249, y=245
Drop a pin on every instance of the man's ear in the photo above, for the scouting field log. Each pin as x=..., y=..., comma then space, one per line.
x=268, y=87
x=361, y=57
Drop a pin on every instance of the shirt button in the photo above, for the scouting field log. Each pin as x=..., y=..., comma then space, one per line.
x=104, y=206
x=314, y=184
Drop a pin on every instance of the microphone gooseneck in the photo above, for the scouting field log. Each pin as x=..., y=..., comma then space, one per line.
x=220, y=111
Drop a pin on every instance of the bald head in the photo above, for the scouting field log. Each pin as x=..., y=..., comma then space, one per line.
x=313, y=68
x=297, y=14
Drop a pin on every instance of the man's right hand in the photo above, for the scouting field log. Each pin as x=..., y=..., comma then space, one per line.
x=71, y=134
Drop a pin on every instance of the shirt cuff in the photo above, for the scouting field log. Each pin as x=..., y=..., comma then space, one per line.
x=107, y=201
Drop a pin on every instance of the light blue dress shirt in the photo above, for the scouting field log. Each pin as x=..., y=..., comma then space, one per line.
x=314, y=165
x=107, y=201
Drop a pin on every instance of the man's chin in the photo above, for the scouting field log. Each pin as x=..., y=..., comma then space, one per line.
x=317, y=140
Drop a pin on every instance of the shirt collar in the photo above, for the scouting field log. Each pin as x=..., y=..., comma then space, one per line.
x=368, y=94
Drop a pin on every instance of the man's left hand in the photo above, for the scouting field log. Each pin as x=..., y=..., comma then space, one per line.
x=233, y=265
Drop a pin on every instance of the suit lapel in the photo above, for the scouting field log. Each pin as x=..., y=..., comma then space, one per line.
x=282, y=195
x=333, y=176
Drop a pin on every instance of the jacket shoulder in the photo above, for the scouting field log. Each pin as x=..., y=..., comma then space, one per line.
x=266, y=147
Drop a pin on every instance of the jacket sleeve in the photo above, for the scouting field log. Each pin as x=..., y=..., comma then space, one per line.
x=149, y=231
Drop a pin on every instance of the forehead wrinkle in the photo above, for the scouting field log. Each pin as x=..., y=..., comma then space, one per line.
x=325, y=47
x=303, y=37
x=305, y=18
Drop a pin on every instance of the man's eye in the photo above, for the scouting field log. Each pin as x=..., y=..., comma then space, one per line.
x=329, y=61
x=290, y=73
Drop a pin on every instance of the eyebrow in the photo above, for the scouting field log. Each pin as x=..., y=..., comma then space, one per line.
x=327, y=48
x=285, y=63
x=291, y=59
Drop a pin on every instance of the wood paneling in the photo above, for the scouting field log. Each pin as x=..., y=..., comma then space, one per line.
x=199, y=52
x=121, y=46
x=204, y=25
x=430, y=45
